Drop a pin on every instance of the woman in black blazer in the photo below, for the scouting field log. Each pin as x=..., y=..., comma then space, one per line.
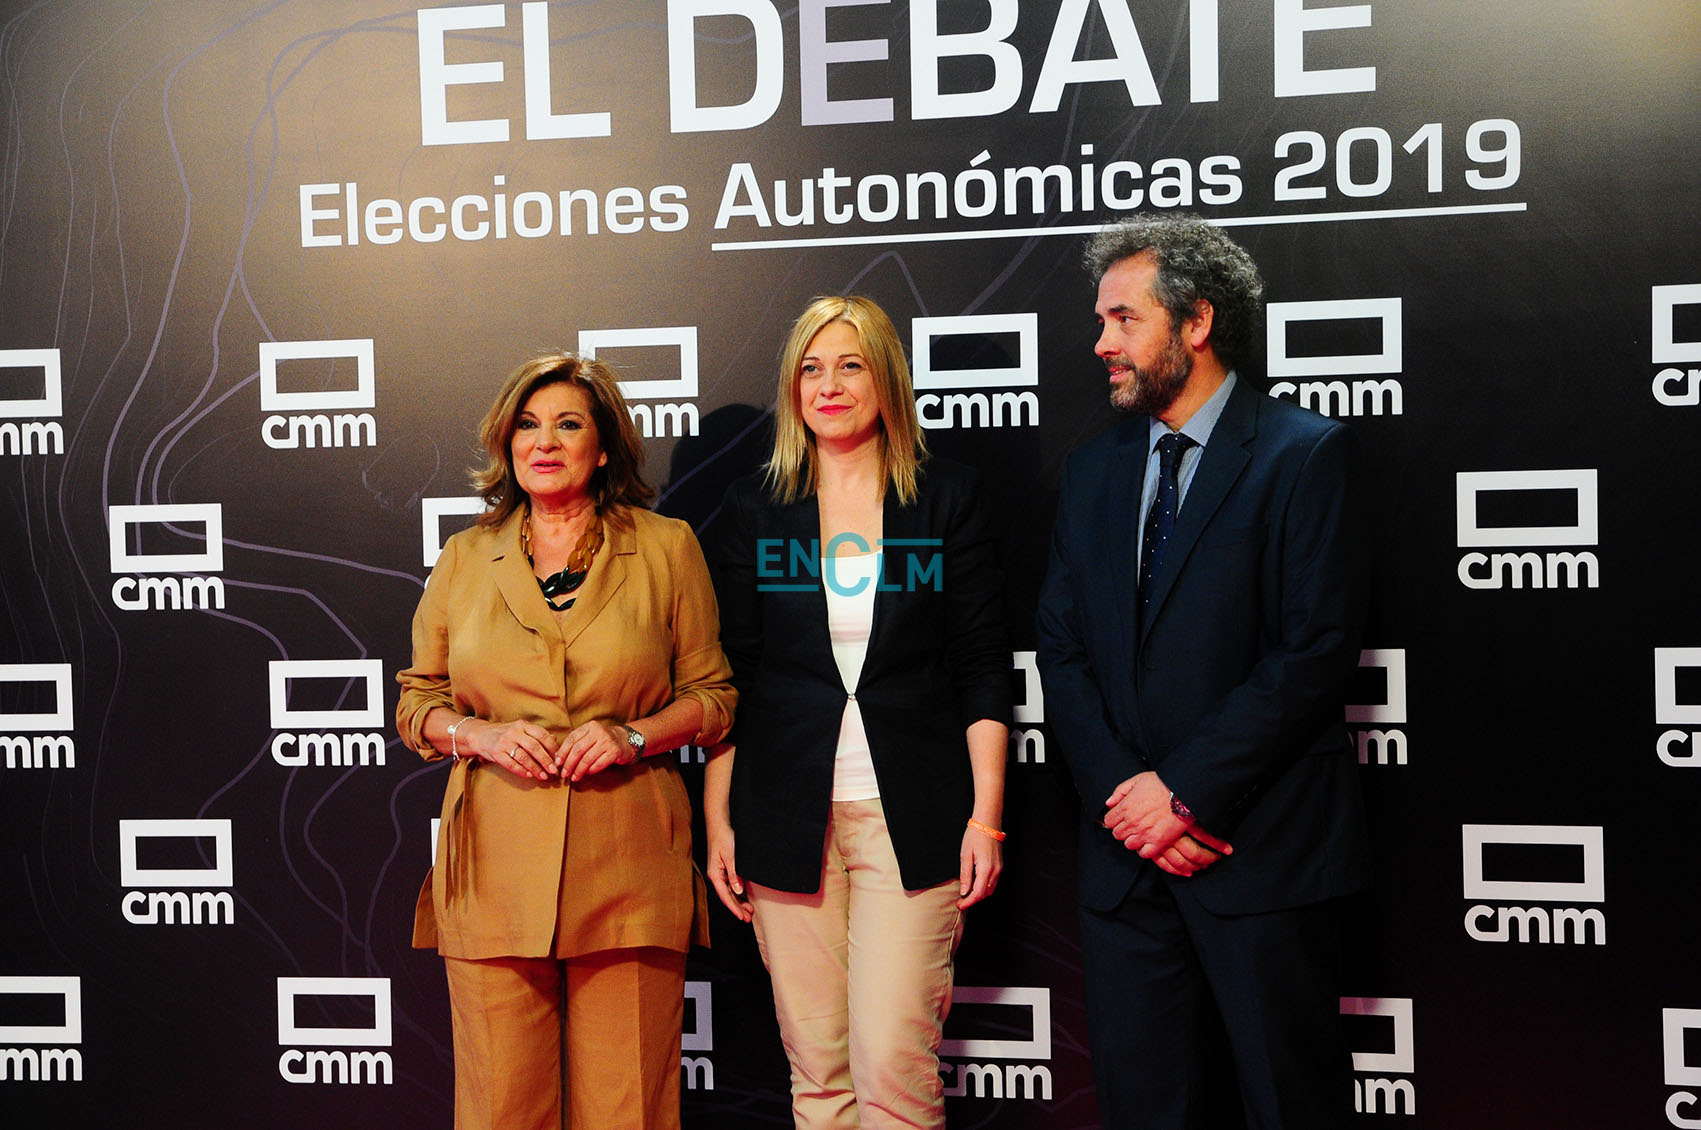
x=861, y=608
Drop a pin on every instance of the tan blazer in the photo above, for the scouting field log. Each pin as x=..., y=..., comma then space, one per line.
x=606, y=863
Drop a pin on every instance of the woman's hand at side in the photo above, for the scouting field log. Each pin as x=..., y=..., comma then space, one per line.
x=723, y=871
x=982, y=854
x=982, y=862
x=717, y=822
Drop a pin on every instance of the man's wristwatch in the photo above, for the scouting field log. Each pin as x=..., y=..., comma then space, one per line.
x=1180, y=809
x=636, y=741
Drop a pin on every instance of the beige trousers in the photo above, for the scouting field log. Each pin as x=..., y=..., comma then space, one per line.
x=619, y=1034
x=862, y=981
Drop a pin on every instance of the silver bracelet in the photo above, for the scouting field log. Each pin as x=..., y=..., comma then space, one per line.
x=454, y=744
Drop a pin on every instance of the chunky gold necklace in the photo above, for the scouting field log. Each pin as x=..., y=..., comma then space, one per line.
x=566, y=582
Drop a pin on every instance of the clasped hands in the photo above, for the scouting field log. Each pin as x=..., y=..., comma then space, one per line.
x=526, y=749
x=1138, y=813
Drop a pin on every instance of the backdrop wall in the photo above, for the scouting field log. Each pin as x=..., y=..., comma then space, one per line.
x=263, y=264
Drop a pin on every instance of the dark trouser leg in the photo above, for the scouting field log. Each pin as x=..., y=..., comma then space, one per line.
x=1277, y=978
x=1150, y=1016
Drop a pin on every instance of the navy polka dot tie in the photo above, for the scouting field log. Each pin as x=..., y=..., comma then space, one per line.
x=1160, y=519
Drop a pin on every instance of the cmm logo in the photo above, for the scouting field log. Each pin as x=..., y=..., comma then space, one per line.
x=666, y=416
x=335, y=1054
x=1333, y=383
x=982, y=396
x=165, y=901
x=170, y=593
x=998, y=1012
x=1373, y=1091
x=1683, y=1107
x=323, y=418
x=1678, y=385
x=49, y=745
x=29, y=419
x=1678, y=706
x=1028, y=745
x=307, y=736
x=698, y=1071
x=37, y=998
x=1384, y=744
x=1538, y=851
x=1528, y=509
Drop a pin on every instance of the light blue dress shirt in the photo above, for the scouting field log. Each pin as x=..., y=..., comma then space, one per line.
x=1198, y=428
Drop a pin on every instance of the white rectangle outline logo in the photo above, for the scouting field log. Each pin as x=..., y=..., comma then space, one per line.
x=1667, y=710
x=362, y=395
x=1024, y=374
x=280, y=671
x=59, y=674
x=1673, y=1023
x=292, y=1035
x=1401, y=1060
x=684, y=337
x=210, y=560
x=1662, y=348
x=431, y=514
x=70, y=1032
x=1032, y=706
x=702, y=1038
x=1036, y=1047
x=1592, y=887
x=1585, y=481
x=1393, y=711
x=1387, y=311
x=52, y=402
x=131, y=875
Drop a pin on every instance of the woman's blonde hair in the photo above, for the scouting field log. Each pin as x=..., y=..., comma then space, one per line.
x=620, y=480
x=792, y=468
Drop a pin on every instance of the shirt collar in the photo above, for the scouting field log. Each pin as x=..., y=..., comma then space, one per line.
x=1199, y=425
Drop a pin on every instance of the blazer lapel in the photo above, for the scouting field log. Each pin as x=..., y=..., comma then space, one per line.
x=608, y=572
x=1224, y=459
x=514, y=579
x=1120, y=560
x=896, y=524
x=802, y=520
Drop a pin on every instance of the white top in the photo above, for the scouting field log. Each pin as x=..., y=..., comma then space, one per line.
x=851, y=582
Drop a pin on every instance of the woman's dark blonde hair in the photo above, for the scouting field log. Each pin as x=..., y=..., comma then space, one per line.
x=793, y=467
x=618, y=481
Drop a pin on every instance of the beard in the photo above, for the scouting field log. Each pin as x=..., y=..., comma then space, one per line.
x=1149, y=391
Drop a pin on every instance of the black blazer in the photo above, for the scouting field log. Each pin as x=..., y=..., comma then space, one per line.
x=938, y=660
x=1234, y=688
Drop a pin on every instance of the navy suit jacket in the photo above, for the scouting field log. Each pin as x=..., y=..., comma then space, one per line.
x=938, y=660
x=1233, y=689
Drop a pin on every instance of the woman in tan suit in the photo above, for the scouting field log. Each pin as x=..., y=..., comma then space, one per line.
x=561, y=641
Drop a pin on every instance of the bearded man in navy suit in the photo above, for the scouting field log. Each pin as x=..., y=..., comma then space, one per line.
x=1198, y=628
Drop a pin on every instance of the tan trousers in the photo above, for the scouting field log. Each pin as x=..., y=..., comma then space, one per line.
x=862, y=981
x=619, y=1036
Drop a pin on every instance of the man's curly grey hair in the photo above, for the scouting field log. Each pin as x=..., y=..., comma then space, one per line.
x=1195, y=261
